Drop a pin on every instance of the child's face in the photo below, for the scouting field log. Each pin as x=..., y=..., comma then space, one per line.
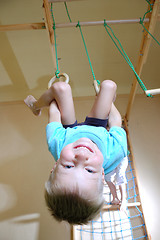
x=80, y=164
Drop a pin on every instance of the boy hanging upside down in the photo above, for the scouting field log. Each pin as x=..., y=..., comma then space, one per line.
x=84, y=152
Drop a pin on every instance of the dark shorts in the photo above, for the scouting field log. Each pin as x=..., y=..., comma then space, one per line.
x=90, y=121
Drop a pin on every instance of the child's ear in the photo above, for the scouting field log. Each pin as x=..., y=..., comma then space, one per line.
x=48, y=186
x=54, y=166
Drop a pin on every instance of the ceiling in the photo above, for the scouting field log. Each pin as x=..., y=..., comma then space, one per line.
x=26, y=61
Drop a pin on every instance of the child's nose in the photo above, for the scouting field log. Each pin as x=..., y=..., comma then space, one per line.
x=81, y=156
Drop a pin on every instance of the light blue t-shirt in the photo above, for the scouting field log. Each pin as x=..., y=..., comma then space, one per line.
x=112, y=144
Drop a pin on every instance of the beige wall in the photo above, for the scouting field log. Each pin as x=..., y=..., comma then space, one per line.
x=25, y=164
x=145, y=135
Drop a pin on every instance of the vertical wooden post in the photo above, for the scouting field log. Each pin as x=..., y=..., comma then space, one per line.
x=142, y=54
x=136, y=175
x=154, y=19
x=72, y=233
x=75, y=233
x=49, y=27
x=48, y=18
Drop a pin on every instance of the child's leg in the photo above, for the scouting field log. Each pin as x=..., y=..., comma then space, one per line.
x=122, y=188
x=103, y=102
x=113, y=190
x=123, y=207
x=62, y=94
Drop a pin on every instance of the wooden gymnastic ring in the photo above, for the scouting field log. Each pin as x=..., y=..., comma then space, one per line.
x=55, y=77
x=96, y=87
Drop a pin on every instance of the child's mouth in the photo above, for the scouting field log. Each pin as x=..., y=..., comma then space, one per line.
x=83, y=146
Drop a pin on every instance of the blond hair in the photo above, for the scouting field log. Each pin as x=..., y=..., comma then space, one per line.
x=70, y=206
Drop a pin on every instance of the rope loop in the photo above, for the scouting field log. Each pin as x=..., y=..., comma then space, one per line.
x=54, y=26
x=149, y=95
x=78, y=24
x=141, y=21
x=105, y=24
x=57, y=74
x=98, y=82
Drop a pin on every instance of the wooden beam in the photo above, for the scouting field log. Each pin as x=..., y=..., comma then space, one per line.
x=63, y=0
x=26, y=26
x=49, y=27
x=140, y=63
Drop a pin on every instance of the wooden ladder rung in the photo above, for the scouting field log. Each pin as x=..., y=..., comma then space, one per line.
x=114, y=207
x=153, y=91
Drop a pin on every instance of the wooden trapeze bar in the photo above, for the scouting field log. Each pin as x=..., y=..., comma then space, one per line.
x=34, y=26
x=153, y=91
x=94, y=23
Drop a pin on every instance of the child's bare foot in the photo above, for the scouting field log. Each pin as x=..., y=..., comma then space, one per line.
x=115, y=201
x=29, y=101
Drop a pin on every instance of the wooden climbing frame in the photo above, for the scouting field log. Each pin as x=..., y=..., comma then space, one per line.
x=145, y=44
x=149, y=23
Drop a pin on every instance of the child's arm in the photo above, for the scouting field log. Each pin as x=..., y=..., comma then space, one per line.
x=54, y=113
x=114, y=117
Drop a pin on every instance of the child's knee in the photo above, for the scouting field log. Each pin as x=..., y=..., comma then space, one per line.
x=109, y=85
x=61, y=87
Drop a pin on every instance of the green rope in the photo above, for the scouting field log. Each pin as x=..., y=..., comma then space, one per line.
x=54, y=29
x=67, y=11
x=123, y=53
x=150, y=10
x=142, y=20
x=149, y=33
x=78, y=25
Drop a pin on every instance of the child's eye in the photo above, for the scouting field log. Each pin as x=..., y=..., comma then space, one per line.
x=90, y=171
x=68, y=166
